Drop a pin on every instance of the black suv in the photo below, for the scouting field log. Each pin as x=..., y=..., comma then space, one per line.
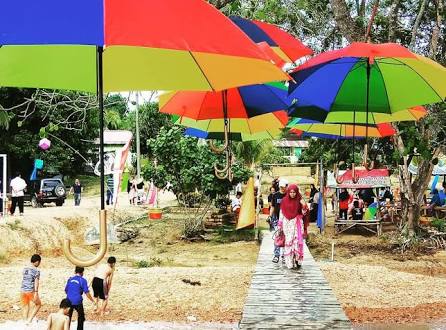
x=46, y=191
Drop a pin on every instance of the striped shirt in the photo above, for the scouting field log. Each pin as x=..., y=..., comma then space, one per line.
x=110, y=185
x=29, y=278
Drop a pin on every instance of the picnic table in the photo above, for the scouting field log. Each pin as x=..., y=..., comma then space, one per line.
x=373, y=225
x=438, y=211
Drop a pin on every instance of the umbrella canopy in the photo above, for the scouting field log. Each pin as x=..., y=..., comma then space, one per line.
x=335, y=131
x=269, y=121
x=284, y=44
x=242, y=102
x=271, y=134
x=144, y=43
x=412, y=114
x=365, y=78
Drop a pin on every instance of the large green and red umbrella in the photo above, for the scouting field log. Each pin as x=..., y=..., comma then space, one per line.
x=144, y=45
x=112, y=45
x=364, y=78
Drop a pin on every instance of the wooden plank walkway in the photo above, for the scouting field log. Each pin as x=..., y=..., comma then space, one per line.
x=280, y=298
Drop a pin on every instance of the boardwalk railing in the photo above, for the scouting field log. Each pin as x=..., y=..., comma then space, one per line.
x=280, y=298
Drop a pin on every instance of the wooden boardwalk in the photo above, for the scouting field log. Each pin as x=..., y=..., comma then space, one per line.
x=280, y=298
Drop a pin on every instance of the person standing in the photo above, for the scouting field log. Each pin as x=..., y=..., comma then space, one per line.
x=102, y=282
x=30, y=289
x=18, y=186
x=275, y=211
x=110, y=189
x=314, y=203
x=77, y=190
x=344, y=199
x=291, y=223
x=75, y=288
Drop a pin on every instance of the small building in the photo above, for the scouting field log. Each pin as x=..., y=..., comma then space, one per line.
x=292, y=148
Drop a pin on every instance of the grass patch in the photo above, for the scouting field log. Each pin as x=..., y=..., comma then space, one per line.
x=16, y=225
x=228, y=234
x=439, y=224
x=152, y=262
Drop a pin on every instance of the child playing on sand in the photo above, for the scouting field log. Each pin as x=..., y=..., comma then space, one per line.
x=60, y=320
x=102, y=282
x=76, y=286
x=30, y=289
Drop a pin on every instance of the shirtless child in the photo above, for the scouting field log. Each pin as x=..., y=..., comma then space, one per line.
x=60, y=320
x=102, y=282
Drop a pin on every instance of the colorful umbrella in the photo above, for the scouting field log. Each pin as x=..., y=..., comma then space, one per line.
x=272, y=134
x=284, y=44
x=365, y=78
x=242, y=102
x=97, y=46
x=266, y=122
x=143, y=45
x=334, y=131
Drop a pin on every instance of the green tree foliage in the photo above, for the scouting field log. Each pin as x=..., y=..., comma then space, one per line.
x=187, y=165
x=150, y=123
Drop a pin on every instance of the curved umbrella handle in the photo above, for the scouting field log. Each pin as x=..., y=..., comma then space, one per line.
x=217, y=150
x=365, y=159
x=355, y=178
x=220, y=174
x=102, y=245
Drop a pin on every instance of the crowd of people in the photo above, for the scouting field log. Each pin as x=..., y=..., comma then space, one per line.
x=76, y=287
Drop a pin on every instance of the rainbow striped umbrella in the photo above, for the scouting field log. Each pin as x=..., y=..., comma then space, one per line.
x=143, y=45
x=289, y=48
x=271, y=134
x=272, y=121
x=364, y=78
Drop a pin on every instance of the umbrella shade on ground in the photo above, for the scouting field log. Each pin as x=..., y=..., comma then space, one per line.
x=272, y=134
x=241, y=102
x=303, y=128
x=289, y=48
x=363, y=77
x=145, y=44
x=266, y=122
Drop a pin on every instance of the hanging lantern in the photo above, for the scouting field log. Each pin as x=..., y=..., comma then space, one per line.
x=44, y=144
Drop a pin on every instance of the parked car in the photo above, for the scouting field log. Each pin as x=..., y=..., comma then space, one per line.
x=51, y=190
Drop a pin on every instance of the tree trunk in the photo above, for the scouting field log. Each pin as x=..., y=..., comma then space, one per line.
x=416, y=24
x=393, y=21
x=436, y=29
x=346, y=24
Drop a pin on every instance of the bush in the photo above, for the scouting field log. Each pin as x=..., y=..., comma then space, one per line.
x=439, y=224
x=153, y=262
x=193, y=227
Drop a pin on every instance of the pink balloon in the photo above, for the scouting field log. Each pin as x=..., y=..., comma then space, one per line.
x=44, y=144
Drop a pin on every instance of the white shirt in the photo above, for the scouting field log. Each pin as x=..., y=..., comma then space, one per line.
x=236, y=203
x=18, y=186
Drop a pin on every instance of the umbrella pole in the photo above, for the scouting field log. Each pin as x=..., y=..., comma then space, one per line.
x=102, y=213
x=366, y=146
x=100, y=87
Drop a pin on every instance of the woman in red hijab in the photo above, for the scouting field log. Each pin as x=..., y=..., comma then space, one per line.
x=291, y=223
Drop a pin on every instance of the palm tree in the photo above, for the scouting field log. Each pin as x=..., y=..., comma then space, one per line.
x=251, y=152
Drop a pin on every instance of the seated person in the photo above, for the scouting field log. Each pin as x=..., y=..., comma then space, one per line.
x=435, y=200
x=357, y=211
x=236, y=203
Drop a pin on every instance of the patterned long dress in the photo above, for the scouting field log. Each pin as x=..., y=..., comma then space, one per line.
x=293, y=230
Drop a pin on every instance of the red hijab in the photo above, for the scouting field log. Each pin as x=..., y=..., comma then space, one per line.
x=291, y=207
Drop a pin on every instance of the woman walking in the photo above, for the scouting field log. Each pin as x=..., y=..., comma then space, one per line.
x=290, y=222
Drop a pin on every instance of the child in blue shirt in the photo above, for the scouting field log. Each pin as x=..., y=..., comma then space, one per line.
x=75, y=288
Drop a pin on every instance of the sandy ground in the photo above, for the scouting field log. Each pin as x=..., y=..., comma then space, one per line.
x=155, y=294
x=380, y=286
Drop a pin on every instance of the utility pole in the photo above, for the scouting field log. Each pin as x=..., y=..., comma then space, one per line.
x=138, y=150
